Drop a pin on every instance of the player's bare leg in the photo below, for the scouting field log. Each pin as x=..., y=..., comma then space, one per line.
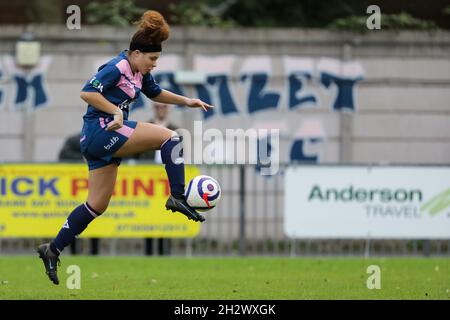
x=148, y=136
x=101, y=187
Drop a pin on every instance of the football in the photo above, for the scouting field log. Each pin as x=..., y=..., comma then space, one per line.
x=203, y=193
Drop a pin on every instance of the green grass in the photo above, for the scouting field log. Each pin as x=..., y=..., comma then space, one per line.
x=227, y=278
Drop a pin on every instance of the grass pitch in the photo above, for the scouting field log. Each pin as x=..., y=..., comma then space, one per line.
x=227, y=278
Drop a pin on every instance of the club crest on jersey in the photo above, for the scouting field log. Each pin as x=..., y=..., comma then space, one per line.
x=96, y=84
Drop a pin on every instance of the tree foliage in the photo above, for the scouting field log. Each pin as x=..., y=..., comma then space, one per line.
x=337, y=14
x=402, y=21
x=119, y=13
x=200, y=13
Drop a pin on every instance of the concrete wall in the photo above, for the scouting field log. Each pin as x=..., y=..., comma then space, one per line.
x=401, y=111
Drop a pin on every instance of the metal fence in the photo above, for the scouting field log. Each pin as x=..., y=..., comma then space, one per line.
x=248, y=221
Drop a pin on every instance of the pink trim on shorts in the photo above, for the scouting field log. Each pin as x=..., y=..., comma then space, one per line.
x=83, y=138
x=102, y=122
x=125, y=131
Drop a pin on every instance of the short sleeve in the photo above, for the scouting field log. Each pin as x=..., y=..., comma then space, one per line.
x=149, y=86
x=106, y=78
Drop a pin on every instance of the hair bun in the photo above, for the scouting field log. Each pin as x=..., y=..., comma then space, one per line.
x=154, y=26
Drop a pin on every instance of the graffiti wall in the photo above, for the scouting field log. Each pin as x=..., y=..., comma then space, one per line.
x=256, y=92
x=386, y=102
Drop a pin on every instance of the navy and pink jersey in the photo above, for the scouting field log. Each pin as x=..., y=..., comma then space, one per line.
x=119, y=85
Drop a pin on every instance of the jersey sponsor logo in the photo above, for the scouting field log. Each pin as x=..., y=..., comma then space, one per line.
x=96, y=84
x=111, y=143
x=124, y=105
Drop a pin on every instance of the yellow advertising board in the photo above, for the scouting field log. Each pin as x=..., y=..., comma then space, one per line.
x=35, y=200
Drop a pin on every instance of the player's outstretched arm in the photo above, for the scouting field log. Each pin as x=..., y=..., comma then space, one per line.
x=173, y=98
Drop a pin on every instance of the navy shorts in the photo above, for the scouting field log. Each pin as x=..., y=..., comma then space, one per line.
x=98, y=145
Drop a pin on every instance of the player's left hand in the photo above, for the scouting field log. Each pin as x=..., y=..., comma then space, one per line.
x=197, y=103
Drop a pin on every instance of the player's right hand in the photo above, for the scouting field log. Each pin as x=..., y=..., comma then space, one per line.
x=117, y=123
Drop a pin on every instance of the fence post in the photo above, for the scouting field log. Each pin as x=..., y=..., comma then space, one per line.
x=367, y=246
x=426, y=248
x=94, y=246
x=242, y=244
x=189, y=247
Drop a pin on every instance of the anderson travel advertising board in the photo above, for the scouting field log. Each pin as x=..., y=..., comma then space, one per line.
x=367, y=202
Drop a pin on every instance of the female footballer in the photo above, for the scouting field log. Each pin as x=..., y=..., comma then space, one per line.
x=108, y=135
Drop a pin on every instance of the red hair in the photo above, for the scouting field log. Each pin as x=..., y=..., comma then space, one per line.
x=152, y=29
